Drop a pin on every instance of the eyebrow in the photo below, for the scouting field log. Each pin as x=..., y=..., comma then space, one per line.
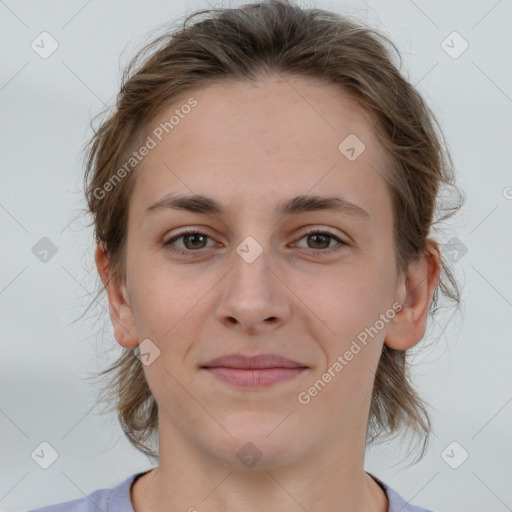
x=197, y=203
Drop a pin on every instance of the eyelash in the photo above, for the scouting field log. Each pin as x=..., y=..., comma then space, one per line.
x=314, y=252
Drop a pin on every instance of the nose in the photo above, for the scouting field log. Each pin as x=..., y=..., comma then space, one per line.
x=254, y=297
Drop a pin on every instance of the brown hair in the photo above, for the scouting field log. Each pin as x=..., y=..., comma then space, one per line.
x=245, y=43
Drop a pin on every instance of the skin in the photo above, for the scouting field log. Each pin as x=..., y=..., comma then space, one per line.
x=251, y=147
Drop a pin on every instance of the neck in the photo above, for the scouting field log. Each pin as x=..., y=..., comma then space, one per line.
x=330, y=478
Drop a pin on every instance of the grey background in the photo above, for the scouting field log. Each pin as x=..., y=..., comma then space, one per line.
x=46, y=106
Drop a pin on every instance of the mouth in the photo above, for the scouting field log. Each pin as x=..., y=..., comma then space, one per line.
x=260, y=361
x=254, y=378
x=259, y=371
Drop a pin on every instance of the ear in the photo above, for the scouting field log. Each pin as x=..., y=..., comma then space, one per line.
x=121, y=313
x=414, y=292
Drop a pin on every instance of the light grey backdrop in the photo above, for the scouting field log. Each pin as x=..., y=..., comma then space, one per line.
x=46, y=105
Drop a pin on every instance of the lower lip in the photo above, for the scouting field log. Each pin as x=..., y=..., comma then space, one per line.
x=254, y=378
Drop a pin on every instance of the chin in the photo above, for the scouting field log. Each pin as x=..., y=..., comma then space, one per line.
x=260, y=446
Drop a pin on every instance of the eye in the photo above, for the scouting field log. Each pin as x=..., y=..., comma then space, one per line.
x=192, y=240
x=322, y=240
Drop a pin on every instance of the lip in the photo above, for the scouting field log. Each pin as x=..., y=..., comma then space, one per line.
x=260, y=361
x=254, y=378
x=254, y=372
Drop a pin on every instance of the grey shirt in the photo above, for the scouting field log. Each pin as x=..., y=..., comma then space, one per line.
x=117, y=499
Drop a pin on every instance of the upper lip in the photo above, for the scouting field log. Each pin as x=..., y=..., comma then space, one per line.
x=248, y=362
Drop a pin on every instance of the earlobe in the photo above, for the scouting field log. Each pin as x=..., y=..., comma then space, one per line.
x=121, y=313
x=415, y=291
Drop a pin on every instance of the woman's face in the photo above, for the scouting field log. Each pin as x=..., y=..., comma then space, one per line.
x=254, y=280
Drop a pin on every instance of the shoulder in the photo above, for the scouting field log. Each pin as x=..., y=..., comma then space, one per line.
x=113, y=499
x=396, y=502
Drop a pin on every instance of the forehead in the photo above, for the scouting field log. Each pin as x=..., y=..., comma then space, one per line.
x=276, y=137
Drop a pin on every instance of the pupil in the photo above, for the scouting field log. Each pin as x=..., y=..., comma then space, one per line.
x=321, y=236
x=188, y=237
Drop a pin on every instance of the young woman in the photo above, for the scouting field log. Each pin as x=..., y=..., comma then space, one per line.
x=262, y=198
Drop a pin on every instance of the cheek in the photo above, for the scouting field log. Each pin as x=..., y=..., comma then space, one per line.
x=356, y=298
x=353, y=352
x=160, y=299
x=357, y=308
